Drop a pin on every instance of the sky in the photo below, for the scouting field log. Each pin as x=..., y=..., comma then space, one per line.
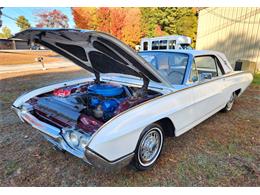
x=29, y=13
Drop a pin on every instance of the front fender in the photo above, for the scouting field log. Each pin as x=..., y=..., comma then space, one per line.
x=119, y=136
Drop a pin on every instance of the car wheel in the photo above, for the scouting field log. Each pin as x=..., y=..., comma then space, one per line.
x=230, y=103
x=149, y=147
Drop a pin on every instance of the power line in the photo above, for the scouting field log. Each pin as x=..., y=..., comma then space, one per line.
x=14, y=19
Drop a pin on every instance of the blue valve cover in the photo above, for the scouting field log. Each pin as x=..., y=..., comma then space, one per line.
x=105, y=90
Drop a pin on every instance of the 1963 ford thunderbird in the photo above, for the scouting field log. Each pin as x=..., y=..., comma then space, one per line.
x=124, y=111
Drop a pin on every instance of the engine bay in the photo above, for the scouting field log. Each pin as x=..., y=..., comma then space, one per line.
x=87, y=106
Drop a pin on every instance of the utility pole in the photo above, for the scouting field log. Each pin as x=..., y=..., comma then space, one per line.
x=1, y=16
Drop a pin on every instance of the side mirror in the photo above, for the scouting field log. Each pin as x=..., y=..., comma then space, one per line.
x=205, y=75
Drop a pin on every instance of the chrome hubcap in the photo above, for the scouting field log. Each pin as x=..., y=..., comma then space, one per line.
x=230, y=102
x=150, y=147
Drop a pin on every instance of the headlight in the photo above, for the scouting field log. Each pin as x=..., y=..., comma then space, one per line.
x=74, y=139
x=83, y=142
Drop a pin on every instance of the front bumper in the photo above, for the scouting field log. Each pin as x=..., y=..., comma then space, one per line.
x=53, y=135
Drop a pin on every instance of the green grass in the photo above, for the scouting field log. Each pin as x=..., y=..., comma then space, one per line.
x=256, y=80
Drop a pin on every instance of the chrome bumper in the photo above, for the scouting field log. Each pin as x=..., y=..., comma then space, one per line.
x=53, y=135
x=104, y=164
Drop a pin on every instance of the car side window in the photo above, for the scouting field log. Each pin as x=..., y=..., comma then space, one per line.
x=163, y=44
x=155, y=45
x=172, y=44
x=219, y=67
x=194, y=76
x=206, y=67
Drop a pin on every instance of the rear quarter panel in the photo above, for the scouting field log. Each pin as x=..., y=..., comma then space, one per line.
x=237, y=81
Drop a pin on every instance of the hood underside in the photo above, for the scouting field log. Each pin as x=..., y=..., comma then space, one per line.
x=94, y=51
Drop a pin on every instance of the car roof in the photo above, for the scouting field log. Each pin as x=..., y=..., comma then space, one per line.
x=191, y=52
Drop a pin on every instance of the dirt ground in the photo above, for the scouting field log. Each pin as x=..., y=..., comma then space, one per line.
x=222, y=151
x=27, y=57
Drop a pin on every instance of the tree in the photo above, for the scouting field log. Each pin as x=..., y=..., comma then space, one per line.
x=132, y=31
x=169, y=20
x=158, y=31
x=52, y=19
x=123, y=23
x=23, y=23
x=110, y=20
x=85, y=18
x=187, y=25
x=103, y=17
x=131, y=24
x=148, y=21
x=6, y=33
x=117, y=21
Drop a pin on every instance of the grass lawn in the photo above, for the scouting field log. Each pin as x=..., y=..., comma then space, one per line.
x=26, y=57
x=256, y=79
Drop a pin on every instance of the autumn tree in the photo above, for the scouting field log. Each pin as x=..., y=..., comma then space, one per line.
x=187, y=24
x=158, y=31
x=52, y=19
x=148, y=21
x=131, y=24
x=123, y=23
x=169, y=20
x=103, y=18
x=23, y=23
x=117, y=21
x=109, y=20
x=132, y=30
x=85, y=17
x=6, y=33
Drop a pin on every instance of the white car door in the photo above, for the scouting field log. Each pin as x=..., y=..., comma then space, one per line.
x=208, y=96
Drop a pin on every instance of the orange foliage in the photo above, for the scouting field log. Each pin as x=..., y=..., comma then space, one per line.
x=85, y=18
x=123, y=23
x=103, y=18
x=132, y=31
x=117, y=21
x=158, y=31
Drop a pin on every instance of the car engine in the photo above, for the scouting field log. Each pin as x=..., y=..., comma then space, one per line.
x=87, y=106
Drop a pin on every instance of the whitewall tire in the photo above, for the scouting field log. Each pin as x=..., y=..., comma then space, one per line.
x=149, y=147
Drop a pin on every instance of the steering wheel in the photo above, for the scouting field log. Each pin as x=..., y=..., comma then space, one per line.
x=175, y=72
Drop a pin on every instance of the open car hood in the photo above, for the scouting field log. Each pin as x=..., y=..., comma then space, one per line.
x=94, y=51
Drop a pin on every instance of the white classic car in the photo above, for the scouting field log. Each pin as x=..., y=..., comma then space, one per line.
x=124, y=111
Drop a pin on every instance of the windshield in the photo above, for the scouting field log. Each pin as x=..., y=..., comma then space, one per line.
x=170, y=65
